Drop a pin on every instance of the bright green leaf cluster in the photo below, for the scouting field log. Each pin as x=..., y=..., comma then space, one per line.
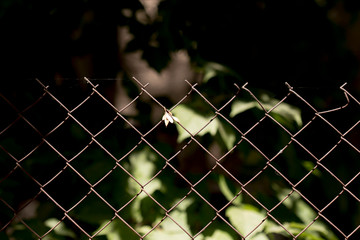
x=284, y=113
x=194, y=121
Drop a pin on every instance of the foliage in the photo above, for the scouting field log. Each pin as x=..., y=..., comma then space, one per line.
x=136, y=177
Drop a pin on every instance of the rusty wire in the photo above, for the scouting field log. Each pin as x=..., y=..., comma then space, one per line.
x=168, y=161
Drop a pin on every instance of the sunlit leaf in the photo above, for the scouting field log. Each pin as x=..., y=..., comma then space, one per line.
x=241, y=106
x=142, y=167
x=295, y=203
x=193, y=121
x=284, y=113
x=306, y=214
x=116, y=230
x=210, y=73
x=168, y=229
x=163, y=234
x=245, y=220
x=60, y=229
x=142, y=164
x=290, y=113
x=219, y=235
x=226, y=191
x=258, y=236
x=315, y=232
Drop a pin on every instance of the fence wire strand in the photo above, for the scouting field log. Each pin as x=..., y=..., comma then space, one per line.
x=169, y=163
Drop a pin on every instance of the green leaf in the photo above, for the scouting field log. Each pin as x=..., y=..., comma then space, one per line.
x=212, y=69
x=308, y=165
x=193, y=122
x=306, y=214
x=116, y=230
x=284, y=113
x=241, y=106
x=245, y=219
x=314, y=232
x=210, y=73
x=226, y=191
x=289, y=112
x=227, y=135
x=219, y=235
x=142, y=167
x=168, y=229
x=294, y=202
x=259, y=236
x=163, y=234
x=60, y=229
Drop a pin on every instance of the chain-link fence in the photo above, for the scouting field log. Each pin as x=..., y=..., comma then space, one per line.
x=229, y=166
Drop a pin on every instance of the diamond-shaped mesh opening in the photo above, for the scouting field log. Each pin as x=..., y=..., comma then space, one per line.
x=347, y=155
x=67, y=188
x=75, y=168
x=114, y=138
x=293, y=163
x=264, y=187
x=203, y=213
x=318, y=137
x=69, y=139
x=268, y=137
x=94, y=114
x=43, y=164
x=141, y=211
x=88, y=165
x=168, y=187
x=204, y=188
x=322, y=196
x=90, y=211
x=192, y=159
x=336, y=211
x=117, y=228
x=114, y=187
x=246, y=120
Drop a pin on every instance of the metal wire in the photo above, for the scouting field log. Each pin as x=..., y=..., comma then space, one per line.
x=169, y=162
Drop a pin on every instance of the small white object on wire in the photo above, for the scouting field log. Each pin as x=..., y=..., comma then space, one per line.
x=168, y=117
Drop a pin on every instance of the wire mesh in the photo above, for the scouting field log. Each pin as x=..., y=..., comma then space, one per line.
x=63, y=175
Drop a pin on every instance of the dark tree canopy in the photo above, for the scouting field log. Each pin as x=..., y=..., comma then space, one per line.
x=264, y=42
